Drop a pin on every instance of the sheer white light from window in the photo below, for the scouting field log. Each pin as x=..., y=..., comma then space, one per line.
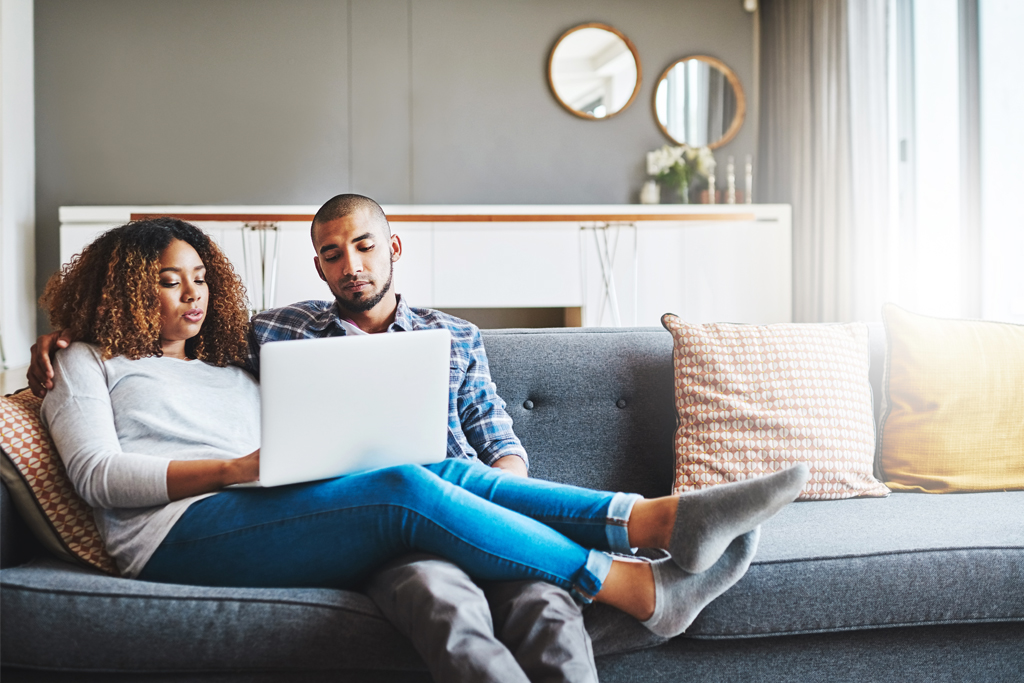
x=937, y=129
x=1002, y=155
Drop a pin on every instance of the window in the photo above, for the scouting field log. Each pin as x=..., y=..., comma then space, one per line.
x=956, y=151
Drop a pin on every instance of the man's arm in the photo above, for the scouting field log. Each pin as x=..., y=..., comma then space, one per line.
x=485, y=424
x=513, y=464
x=252, y=357
x=40, y=369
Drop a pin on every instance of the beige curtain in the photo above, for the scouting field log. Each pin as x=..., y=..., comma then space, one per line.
x=823, y=149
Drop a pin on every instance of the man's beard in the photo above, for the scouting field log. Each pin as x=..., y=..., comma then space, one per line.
x=363, y=305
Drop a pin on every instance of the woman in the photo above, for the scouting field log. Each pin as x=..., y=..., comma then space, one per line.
x=153, y=421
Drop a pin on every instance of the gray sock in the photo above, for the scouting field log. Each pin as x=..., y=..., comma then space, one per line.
x=708, y=520
x=680, y=596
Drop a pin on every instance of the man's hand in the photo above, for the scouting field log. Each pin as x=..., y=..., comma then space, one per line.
x=40, y=369
x=512, y=464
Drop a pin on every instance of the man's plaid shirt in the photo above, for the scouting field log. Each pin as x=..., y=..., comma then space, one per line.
x=478, y=426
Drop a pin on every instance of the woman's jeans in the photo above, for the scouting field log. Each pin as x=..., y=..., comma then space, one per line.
x=334, y=533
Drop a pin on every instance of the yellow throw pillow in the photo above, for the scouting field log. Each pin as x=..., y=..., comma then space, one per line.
x=953, y=404
x=754, y=399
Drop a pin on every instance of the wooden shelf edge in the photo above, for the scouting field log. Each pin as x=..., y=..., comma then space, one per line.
x=457, y=218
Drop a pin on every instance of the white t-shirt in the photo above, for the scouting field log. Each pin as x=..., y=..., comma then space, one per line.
x=118, y=423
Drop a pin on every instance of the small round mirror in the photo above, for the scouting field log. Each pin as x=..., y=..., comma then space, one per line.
x=594, y=71
x=699, y=102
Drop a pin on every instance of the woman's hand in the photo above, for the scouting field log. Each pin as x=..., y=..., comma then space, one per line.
x=245, y=469
x=186, y=478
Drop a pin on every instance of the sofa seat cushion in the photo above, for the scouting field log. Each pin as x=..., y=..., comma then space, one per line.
x=905, y=560
x=60, y=616
x=822, y=566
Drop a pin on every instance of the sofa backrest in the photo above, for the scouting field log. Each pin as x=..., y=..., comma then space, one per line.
x=593, y=407
x=601, y=410
x=601, y=407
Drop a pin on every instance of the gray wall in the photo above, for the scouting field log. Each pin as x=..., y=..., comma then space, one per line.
x=291, y=102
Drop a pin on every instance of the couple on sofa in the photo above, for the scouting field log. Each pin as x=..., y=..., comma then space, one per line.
x=154, y=416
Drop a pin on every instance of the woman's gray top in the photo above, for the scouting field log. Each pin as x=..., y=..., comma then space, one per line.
x=118, y=423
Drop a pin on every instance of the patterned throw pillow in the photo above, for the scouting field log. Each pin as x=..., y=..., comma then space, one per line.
x=753, y=399
x=40, y=488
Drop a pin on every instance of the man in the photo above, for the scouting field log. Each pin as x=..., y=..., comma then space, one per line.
x=505, y=631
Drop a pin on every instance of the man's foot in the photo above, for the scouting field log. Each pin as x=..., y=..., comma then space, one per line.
x=680, y=596
x=708, y=520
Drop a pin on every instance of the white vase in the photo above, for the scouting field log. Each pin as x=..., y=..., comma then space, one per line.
x=650, y=193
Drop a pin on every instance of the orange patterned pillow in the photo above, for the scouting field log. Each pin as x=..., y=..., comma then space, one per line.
x=753, y=399
x=40, y=488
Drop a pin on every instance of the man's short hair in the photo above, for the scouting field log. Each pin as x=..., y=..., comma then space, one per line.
x=345, y=204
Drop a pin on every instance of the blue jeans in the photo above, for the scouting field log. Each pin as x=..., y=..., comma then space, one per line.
x=334, y=533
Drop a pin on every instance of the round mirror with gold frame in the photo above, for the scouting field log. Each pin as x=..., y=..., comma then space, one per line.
x=594, y=71
x=699, y=102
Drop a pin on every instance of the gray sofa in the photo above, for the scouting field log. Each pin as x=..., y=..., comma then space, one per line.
x=910, y=587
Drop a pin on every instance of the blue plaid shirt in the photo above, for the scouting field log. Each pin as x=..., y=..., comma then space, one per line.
x=478, y=426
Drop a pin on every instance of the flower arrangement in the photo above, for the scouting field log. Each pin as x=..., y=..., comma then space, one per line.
x=677, y=166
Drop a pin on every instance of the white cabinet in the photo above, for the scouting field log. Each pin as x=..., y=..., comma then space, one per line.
x=76, y=236
x=297, y=277
x=714, y=272
x=704, y=263
x=414, y=271
x=506, y=265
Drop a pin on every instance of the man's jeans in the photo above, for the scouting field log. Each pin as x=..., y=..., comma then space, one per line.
x=333, y=533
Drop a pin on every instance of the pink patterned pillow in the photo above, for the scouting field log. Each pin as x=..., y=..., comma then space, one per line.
x=40, y=488
x=753, y=399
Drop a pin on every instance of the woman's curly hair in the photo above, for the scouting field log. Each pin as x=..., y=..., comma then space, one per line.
x=108, y=294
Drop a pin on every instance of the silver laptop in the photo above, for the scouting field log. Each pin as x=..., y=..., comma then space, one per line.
x=347, y=404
